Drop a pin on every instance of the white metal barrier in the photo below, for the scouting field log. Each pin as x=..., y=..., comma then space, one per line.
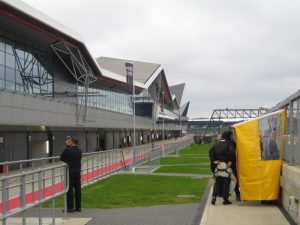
x=25, y=190
x=34, y=181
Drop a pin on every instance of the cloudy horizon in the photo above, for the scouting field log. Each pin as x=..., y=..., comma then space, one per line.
x=230, y=54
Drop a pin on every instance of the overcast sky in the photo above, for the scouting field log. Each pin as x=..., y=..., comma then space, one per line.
x=230, y=53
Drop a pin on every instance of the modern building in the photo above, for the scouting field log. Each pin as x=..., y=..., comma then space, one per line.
x=51, y=87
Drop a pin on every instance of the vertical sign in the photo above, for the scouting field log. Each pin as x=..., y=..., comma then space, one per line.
x=129, y=77
x=131, y=90
x=162, y=102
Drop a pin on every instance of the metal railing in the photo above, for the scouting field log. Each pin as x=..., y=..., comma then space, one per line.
x=291, y=147
x=171, y=147
x=96, y=165
x=152, y=153
x=25, y=190
x=36, y=180
x=101, y=159
x=145, y=154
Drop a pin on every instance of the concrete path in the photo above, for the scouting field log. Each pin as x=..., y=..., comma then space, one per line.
x=183, y=214
x=48, y=221
x=251, y=213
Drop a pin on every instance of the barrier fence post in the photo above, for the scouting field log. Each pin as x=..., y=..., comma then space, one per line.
x=97, y=167
x=53, y=193
x=40, y=195
x=66, y=185
x=23, y=196
x=4, y=200
x=93, y=169
x=133, y=158
x=32, y=184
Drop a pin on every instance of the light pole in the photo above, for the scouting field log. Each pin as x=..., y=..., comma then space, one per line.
x=130, y=83
x=180, y=129
x=163, y=111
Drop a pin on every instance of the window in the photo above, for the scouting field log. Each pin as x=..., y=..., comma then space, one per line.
x=18, y=60
x=10, y=61
x=2, y=72
x=2, y=44
x=10, y=74
x=2, y=58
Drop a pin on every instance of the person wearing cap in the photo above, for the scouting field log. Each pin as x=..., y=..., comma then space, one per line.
x=72, y=156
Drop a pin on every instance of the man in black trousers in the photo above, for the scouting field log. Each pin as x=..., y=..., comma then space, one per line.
x=221, y=153
x=72, y=156
x=234, y=169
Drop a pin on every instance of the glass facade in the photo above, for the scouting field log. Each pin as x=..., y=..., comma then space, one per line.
x=103, y=98
x=24, y=68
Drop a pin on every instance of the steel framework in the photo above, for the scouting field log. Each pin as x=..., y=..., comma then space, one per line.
x=32, y=70
x=77, y=65
x=237, y=115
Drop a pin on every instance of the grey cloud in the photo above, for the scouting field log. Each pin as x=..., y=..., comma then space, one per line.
x=232, y=53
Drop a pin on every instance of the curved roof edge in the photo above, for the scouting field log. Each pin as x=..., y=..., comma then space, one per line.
x=50, y=27
x=39, y=21
x=41, y=17
x=114, y=76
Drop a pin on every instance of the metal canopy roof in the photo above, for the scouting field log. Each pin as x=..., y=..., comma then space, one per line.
x=142, y=70
x=184, y=109
x=177, y=90
x=144, y=73
x=49, y=31
x=31, y=18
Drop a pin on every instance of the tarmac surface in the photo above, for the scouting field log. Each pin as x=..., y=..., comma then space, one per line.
x=241, y=213
x=183, y=214
x=202, y=213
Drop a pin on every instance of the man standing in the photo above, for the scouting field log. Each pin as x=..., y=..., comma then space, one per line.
x=72, y=156
x=232, y=149
x=220, y=156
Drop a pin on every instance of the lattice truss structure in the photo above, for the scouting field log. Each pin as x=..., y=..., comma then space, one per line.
x=33, y=70
x=77, y=65
x=237, y=115
x=243, y=114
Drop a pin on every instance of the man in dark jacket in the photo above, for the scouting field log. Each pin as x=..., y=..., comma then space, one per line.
x=72, y=156
x=234, y=169
x=221, y=152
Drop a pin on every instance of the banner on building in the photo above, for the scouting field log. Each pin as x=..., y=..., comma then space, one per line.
x=259, y=156
x=162, y=102
x=129, y=77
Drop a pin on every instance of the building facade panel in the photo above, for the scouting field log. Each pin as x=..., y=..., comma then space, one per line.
x=109, y=140
x=15, y=146
x=92, y=142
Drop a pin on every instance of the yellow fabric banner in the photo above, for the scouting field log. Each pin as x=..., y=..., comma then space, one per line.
x=259, y=145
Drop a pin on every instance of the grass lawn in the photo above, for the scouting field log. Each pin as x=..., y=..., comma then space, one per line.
x=191, y=169
x=194, y=154
x=183, y=159
x=196, y=149
x=120, y=191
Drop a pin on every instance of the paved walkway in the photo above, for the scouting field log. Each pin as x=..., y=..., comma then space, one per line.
x=249, y=213
x=184, y=214
x=48, y=221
